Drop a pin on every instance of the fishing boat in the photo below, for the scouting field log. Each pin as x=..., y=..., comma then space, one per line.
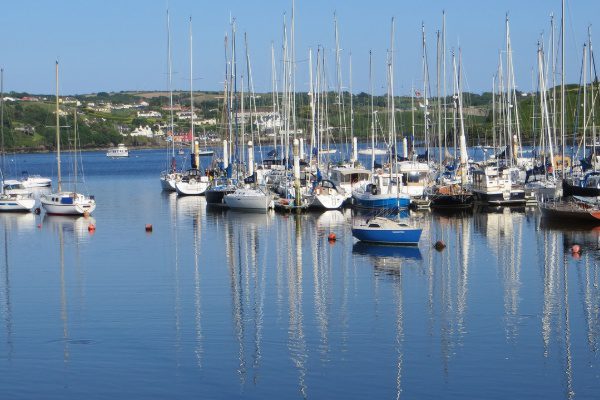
x=118, y=152
x=66, y=202
x=385, y=231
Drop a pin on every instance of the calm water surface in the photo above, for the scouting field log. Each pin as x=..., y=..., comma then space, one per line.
x=219, y=304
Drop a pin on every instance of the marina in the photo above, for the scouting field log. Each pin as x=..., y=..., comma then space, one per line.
x=329, y=206
x=235, y=304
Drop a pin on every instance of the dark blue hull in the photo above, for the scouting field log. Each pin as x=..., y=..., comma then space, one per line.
x=388, y=236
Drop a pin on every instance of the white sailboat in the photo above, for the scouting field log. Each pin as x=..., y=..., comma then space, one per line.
x=170, y=176
x=66, y=202
x=193, y=182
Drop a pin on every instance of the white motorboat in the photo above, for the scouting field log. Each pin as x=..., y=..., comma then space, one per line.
x=33, y=181
x=116, y=152
x=16, y=202
x=66, y=202
x=249, y=199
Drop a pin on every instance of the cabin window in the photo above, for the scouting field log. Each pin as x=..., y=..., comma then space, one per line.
x=374, y=226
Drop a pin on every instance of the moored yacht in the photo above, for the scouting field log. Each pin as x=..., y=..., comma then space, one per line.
x=116, y=152
x=492, y=185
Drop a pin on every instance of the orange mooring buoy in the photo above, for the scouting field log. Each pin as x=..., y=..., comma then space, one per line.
x=91, y=228
x=331, y=237
x=148, y=227
x=575, y=249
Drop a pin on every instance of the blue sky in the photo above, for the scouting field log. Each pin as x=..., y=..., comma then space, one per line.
x=108, y=45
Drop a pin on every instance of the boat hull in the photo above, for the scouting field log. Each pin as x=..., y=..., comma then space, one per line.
x=568, y=214
x=216, y=197
x=191, y=188
x=16, y=205
x=250, y=203
x=56, y=204
x=574, y=190
x=389, y=202
x=516, y=197
x=452, y=201
x=401, y=235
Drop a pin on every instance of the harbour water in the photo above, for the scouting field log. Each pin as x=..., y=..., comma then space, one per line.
x=220, y=304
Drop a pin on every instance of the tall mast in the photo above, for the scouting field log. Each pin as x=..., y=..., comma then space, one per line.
x=59, y=186
x=170, y=67
x=193, y=141
x=425, y=94
x=351, y=103
x=439, y=104
x=509, y=105
x=2, y=115
x=311, y=95
x=444, y=94
x=553, y=55
x=372, y=112
x=562, y=84
x=274, y=96
x=584, y=78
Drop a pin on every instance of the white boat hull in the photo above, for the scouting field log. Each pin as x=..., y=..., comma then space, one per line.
x=17, y=204
x=258, y=202
x=33, y=182
x=78, y=204
x=168, y=182
x=192, y=188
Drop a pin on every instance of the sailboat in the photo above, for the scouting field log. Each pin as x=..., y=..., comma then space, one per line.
x=66, y=202
x=170, y=176
x=193, y=182
x=384, y=230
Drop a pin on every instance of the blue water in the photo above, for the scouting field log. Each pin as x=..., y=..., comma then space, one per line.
x=219, y=304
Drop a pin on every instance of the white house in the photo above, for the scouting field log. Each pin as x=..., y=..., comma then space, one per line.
x=145, y=131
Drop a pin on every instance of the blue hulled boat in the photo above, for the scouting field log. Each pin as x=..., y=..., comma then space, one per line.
x=370, y=196
x=386, y=231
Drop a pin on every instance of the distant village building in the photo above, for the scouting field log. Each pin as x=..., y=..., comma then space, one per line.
x=208, y=121
x=143, y=104
x=28, y=129
x=176, y=107
x=144, y=131
x=185, y=115
x=268, y=121
x=149, y=114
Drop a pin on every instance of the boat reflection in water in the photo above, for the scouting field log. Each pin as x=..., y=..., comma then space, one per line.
x=387, y=255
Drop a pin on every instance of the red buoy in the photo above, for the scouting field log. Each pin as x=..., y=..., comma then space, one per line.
x=331, y=237
x=575, y=249
x=148, y=227
x=91, y=228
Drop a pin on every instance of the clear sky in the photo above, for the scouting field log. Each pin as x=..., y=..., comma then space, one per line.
x=110, y=45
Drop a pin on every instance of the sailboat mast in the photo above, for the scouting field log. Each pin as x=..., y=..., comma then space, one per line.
x=59, y=185
x=439, y=103
x=193, y=141
x=372, y=112
x=75, y=139
x=311, y=94
x=170, y=68
x=2, y=115
x=562, y=84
